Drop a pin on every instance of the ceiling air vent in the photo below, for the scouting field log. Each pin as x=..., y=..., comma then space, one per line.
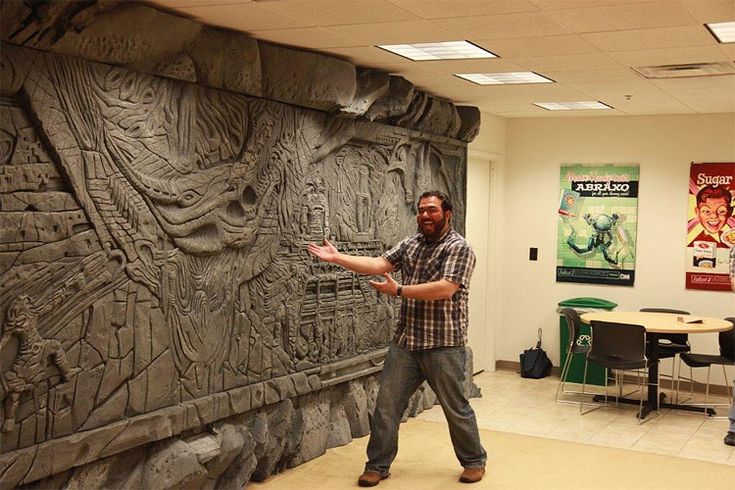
x=687, y=70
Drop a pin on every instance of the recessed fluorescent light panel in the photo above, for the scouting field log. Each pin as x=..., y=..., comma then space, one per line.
x=449, y=50
x=723, y=31
x=571, y=106
x=504, y=78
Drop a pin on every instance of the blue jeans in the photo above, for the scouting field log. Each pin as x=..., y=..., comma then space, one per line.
x=403, y=373
x=732, y=410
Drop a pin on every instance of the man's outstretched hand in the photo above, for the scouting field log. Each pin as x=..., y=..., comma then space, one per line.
x=389, y=286
x=326, y=252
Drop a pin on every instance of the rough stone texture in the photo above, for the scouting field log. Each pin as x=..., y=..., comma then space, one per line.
x=231, y=441
x=316, y=415
x=154, y=280
x=288, y=75
x=145, y=39
x=238, y=473
x=371, y=85
x=279, y=426
x=340, y=432
x=471, y=390
x=172, y=464
x=246, y=447
x=227, y=59
x=470, y=117
x=356, y=409
x=129, y=35
x=394, y=102
x=440, y=116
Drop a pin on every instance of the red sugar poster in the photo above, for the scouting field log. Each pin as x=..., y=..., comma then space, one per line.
x=710, y=226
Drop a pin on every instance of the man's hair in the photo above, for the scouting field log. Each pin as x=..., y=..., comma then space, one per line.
x=714, y=192
x=446, y=203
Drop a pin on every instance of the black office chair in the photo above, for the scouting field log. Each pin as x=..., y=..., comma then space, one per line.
x=671, y=345
x=726, y=358
x=618, y=346
x=575, y=346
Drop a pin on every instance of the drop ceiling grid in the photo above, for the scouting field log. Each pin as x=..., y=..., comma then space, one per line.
x=580, y=44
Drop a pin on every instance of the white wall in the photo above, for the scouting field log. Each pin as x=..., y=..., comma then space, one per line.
x=526, y=213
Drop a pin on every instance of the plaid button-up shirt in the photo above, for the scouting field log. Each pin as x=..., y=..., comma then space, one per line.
x=439, y=323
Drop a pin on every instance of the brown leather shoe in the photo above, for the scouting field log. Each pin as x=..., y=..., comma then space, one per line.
x=472, y=475
x=370, y=478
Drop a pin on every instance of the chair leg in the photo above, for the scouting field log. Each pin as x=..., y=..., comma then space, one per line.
x=729, y=386
x=563, y=375
x=640, y=405
x=584, y=389
x=678, y=378
x=706, y=390
x=584, y=386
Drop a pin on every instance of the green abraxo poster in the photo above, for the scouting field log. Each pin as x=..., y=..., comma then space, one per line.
x=598, y=217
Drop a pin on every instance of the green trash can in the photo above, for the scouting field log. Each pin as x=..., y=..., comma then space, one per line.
x=595, y=373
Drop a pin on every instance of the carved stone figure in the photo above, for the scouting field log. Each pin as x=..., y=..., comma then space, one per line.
x=33, y=356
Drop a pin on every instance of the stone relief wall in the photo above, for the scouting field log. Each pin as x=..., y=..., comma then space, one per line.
x=153, y=243
x=154, y=282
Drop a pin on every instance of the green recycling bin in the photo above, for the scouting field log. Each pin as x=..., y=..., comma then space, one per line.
x=595, y=373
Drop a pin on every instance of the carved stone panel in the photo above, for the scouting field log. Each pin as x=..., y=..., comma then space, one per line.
x=153, y=250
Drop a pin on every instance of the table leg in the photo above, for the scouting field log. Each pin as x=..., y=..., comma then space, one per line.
x=653, y=397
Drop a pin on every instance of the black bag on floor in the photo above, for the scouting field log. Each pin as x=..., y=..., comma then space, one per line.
x=534, y=362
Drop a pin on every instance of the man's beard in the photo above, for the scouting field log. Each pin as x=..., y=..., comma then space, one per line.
x=438, y=229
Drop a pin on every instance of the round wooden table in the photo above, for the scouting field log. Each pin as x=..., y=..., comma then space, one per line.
x=661, y=322
x=655, y=324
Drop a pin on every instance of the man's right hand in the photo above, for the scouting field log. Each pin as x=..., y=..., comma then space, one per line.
x=326, y=252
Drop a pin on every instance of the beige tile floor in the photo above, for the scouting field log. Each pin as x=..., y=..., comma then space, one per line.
x=510, y=403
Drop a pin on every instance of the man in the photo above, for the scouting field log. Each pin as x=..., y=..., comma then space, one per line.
x=429, y=344
x=730, y=436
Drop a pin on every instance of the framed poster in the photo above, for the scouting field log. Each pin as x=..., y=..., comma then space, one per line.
x=710, y=226
x=598, y=217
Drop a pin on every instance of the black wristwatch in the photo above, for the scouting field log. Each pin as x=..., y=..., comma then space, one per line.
x=399, y=291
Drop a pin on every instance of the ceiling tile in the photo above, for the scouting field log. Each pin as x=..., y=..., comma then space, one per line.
x=246, y=17
x=675, y=56
x=659, y=38
x=729, y=50
x=593, y=75
x=710, y=10
x=305, y=37
x=339, y=12
x=723, y=85
x=635, y=88
x=537, y=46
x=651, y=106
x=573, y=4
x=503, y=26
x=623, y=17
x=179, y=4
x=408, y=32
x=568, y=62
x=710, y=104
x=433, y=9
